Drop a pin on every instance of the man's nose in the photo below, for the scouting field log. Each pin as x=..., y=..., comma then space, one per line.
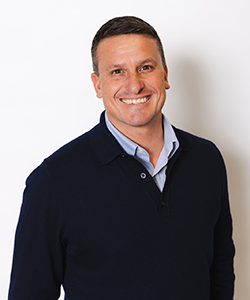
x=134, y=83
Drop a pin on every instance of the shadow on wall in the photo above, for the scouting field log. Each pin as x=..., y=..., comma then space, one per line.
x=191, y=107
x=188, y=94
x=238, y=198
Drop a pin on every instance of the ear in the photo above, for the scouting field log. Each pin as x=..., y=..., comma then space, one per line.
x=97, y=85
x=167, y=86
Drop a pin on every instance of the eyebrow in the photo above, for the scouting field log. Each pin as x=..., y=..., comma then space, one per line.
x=148, y=60
x=118, y=66
x=114, y=67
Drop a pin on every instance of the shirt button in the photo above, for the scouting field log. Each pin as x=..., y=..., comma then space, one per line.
x=163, y=202
x=140, y=150
x=143, y=175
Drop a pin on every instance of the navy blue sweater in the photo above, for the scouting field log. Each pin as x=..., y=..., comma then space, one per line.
x=93, y=222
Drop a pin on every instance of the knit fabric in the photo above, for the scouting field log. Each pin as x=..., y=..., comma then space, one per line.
x=94, y=221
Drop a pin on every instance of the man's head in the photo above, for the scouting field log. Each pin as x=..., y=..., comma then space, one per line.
x=131, y=75
x=121, y=26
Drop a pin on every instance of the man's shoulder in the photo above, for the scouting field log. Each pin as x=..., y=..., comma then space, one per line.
x=190, y=139
x=199, y=146
x=70, y=157
x=72, y=150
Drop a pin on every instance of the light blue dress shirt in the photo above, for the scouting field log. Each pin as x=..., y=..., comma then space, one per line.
x=171, y=144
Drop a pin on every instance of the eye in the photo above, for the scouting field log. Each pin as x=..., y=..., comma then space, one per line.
x=117, y=71
x=146, y=67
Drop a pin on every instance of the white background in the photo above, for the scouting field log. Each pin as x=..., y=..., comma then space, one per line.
x=47, y=97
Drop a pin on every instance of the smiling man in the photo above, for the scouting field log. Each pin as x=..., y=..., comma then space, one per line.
x=134, y=208
x=132, y=79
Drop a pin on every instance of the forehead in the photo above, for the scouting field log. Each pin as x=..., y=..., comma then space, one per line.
x=127, y=47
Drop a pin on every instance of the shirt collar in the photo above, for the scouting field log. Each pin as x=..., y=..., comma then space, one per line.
x=106, y=148
x=128, y=145
x=171, y=142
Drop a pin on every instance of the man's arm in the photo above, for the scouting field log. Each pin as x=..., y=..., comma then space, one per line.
x=38, y=266
x=222, y=272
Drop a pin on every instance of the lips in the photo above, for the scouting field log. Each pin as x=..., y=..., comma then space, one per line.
x=135, y=101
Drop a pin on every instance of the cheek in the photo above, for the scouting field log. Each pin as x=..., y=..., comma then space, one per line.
x=111, y=88
x=157, y=86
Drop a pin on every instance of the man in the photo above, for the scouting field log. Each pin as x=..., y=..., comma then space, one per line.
x=134, y=208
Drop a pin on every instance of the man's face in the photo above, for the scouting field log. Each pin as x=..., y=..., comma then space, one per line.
x=132, y=80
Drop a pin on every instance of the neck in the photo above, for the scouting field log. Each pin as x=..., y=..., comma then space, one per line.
x=150, y=137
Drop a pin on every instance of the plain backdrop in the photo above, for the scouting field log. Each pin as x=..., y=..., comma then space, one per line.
x=47, y=98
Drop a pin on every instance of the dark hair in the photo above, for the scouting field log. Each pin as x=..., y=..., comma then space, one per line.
x=123, y=25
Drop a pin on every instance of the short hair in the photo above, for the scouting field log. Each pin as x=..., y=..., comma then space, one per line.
x=123, y=25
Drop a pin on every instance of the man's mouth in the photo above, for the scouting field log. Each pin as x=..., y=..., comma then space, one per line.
x=135, y=101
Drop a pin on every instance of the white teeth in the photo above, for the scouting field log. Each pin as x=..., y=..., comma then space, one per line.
x=135, y=101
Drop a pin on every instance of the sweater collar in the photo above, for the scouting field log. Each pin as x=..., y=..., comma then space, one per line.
x=103, y=144
x=106, y=148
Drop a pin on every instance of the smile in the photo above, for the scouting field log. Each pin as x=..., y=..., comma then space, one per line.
x=135, y=101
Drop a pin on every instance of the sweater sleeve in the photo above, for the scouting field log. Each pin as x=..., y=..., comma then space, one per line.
x=222, y=272
x=37, y=270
